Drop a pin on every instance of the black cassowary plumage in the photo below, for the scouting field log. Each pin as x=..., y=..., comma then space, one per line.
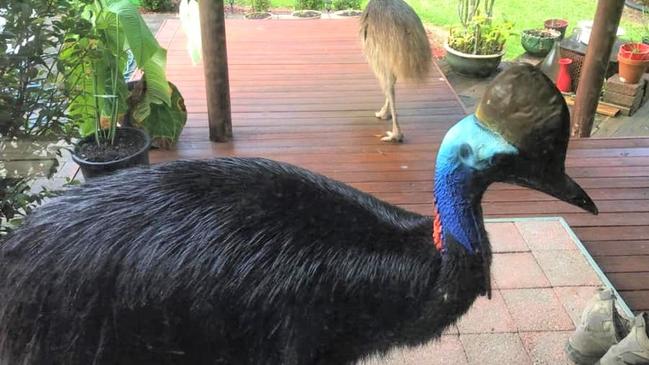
x=229, y=261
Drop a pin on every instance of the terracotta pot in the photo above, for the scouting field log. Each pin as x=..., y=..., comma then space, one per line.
x=557, y=24
x=634, y=51
x=631, y=70
x=564, y=81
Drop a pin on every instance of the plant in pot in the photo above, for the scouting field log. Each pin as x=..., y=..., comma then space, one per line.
x=633, y=59
x=308, y=9
x=476, y=48
x=559, y=25
x=103, y=103
x=347, y=7
x=539, y=42
x=260, y=10
x=33, y=120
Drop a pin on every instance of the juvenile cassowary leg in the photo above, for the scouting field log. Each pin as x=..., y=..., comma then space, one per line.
x=384, y=112
x=395, y=135
x=384, y=80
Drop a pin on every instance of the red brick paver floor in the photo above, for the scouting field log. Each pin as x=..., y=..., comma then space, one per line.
x=542, y=283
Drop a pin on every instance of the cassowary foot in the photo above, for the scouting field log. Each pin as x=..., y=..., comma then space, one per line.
x=383, y=114
x=392, y=137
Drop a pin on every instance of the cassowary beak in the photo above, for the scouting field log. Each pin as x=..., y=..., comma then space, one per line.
x=557, y=184
x=527, y=110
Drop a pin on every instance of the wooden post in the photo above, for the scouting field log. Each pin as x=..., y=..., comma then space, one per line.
x=593, y=71
x=215, y=65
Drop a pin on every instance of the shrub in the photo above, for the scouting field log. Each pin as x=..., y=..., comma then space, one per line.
x=309, y=4
x=33, y=103
x=157, y=5
x=346, y=4
x=260, y=5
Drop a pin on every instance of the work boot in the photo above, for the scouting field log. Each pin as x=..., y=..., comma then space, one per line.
x=633, y=349
x=600, y=328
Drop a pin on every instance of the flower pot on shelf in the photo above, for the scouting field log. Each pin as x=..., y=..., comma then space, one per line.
x=539, y=42
x=559, y=25
x=634, y=51
x=477, y=66
x=631, y=70
x=131, y=148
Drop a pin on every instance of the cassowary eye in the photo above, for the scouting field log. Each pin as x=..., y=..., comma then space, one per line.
x=465, y=151
x=495, y=159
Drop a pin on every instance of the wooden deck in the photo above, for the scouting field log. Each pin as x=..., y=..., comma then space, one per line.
x=303, y=93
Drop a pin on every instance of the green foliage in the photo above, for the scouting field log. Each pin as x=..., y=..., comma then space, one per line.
x=164, y=122
x=309, y=4
x=116, y=26
x=260, y=5
x=479, y=33
x=468, y=9
x=481, y=36
x=33, y=103
x=157, y=5
x=346, y=4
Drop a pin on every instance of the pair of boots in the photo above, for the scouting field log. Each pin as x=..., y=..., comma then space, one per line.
x=605, y=337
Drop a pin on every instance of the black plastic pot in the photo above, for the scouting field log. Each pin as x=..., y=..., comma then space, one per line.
x=91, y=169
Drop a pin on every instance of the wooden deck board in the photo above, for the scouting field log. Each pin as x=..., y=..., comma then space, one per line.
x=302, y=93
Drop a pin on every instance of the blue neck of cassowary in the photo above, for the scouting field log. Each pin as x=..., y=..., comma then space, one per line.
x=457, y=199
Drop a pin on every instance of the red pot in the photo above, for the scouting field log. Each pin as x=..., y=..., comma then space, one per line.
x=564, y=81
x=634, y=51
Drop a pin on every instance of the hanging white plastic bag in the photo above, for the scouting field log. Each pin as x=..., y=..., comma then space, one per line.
x=190, y=21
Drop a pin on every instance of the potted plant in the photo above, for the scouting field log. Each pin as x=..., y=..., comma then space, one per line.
x=260, y=10
x=633, y=59
x=107, y=144
x=347, y=8
x=559, y=25
x=634, y=51
x=476, y=48
x=539, y=42
x=309, y=9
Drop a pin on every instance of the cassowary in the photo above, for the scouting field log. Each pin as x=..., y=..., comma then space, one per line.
x=396, y=47
x=250, y=261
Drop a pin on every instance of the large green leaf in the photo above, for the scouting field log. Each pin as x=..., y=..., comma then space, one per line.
x=138, y=35
x=165, y=122
x=156, y=79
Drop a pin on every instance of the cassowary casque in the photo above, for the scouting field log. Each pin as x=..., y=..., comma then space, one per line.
x=250, y=261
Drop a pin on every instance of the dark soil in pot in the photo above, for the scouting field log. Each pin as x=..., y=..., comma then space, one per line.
x=124, y=146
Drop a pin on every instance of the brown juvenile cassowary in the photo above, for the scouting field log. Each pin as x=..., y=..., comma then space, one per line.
x=249, y=261
x=396, y=47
